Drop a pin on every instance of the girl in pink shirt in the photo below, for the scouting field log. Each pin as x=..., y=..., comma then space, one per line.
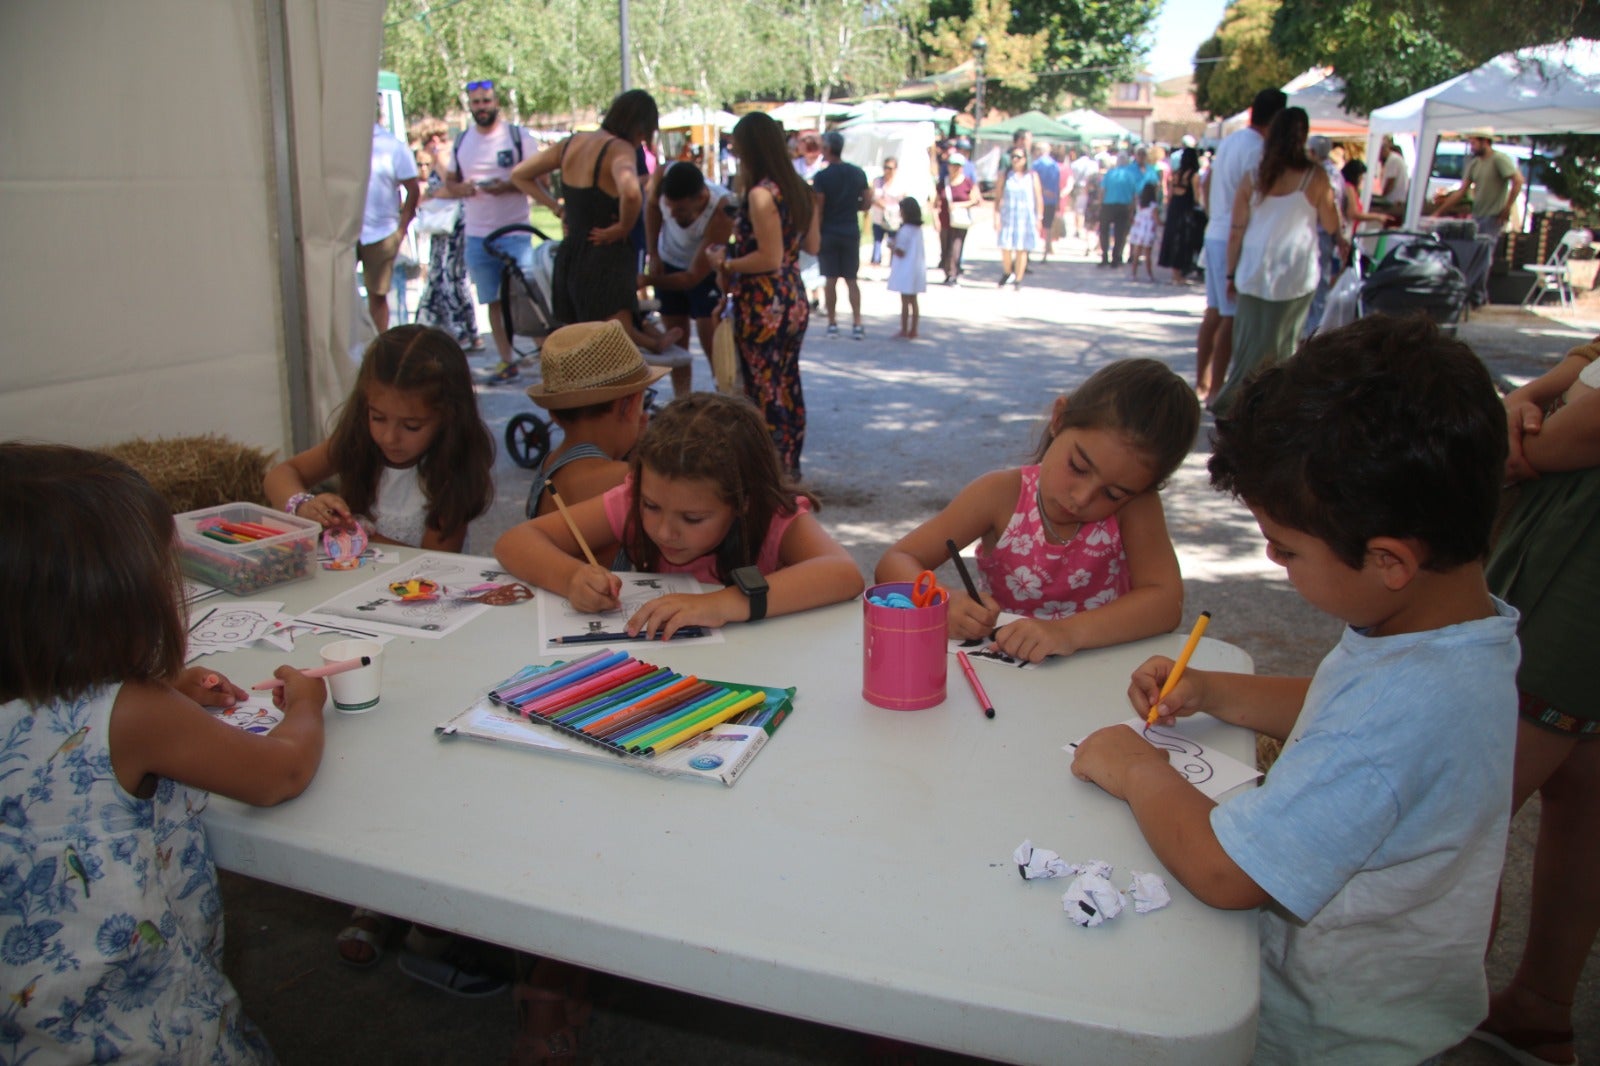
x=1078, y=530
x=707, y=497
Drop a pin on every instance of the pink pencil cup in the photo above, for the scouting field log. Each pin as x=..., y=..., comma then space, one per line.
x=905, y=652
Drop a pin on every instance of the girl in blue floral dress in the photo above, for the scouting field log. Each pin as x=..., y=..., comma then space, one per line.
x=762, y=279
x=110, y=916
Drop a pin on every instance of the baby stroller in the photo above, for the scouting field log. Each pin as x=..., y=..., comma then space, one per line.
x=1418, y=272
x=525, y=312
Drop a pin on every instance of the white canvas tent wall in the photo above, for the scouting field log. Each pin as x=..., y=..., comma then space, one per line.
x=157, y=158
x=1544, y=90
x=867, y=144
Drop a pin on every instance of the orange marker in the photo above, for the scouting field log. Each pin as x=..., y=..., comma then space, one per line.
x=1177, y=669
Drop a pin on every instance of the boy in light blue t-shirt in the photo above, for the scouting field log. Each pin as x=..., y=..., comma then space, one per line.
x=1372, y=462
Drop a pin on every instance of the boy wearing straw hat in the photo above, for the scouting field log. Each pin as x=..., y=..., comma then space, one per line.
x=598, y=389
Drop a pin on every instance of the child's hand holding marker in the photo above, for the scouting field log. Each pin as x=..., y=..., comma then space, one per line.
x=1144, y=692
x=208, y=688
x=297, y=688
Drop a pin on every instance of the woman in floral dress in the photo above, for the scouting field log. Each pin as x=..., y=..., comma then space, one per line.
x=762, y=279
x=448, y=303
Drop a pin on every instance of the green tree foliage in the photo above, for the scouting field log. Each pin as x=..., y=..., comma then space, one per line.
x=1240, y=60
x=561, y=56
x=1042, y=50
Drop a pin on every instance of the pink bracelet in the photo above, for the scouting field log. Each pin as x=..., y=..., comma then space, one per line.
x=297, y=501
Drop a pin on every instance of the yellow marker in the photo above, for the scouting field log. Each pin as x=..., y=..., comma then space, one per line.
x=755, y=699
x=1177, y=669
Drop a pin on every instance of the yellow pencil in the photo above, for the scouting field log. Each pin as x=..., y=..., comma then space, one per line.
x=566, y=514
x=1177, y=668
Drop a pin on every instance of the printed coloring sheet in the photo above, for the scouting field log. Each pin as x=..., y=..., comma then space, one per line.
x=373, y=607
x=254, y=715
x=980, y=651
x=558, y=618
x=1207, y=769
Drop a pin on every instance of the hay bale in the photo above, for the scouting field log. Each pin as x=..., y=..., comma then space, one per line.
x=1267, y=751
x=196, y=472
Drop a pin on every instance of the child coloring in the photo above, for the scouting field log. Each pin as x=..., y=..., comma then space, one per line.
x=908, y=267
x=1142, y=235
x=111, y=936
x=706, y=497
x=409, y=449
x=1372, y=462
x=1080, y=529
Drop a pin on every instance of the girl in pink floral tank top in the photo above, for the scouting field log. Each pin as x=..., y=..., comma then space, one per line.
x=1079, y=530
x=1028, y=575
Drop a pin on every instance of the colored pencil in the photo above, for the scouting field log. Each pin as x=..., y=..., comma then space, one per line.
x=567, y=515
x=602, y=637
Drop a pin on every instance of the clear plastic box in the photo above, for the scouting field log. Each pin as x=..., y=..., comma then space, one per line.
x=246, y=566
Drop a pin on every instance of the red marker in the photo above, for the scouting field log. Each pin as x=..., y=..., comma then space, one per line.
x=977, y=686
x=318, y=671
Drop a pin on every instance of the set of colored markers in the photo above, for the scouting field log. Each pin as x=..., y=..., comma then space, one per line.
x=615, y=701
x=237, y=532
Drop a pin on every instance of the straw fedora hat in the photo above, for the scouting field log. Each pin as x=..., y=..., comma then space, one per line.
x=590, y=362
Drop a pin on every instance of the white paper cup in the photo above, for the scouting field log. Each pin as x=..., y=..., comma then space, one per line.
x=355, y=690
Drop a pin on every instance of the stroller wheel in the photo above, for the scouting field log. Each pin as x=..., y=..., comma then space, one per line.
x=527, y=440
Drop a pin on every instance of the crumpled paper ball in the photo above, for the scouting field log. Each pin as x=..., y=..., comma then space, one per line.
x=1091, y=899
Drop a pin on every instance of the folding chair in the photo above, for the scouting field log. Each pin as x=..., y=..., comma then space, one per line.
x=1554, y=275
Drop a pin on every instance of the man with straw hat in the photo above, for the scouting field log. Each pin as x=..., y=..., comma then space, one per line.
x=598, y=389
x=1494, y=183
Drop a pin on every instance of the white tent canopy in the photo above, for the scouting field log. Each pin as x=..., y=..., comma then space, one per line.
x=1094, y=126
x=896, y=111
x=1321, y=95
x=807, y=114
x=684, y=117
x=1545, y=90
x=182, y=215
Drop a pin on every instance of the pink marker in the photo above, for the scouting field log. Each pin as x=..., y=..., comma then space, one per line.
x=318, y=671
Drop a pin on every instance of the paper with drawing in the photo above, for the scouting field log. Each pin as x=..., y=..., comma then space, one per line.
x=558, y=618
x=377, y=606
x=1207, y=769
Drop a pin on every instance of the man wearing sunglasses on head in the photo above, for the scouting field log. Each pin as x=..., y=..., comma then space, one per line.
x=484, y=156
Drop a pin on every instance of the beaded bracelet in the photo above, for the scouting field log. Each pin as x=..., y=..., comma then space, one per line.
x=298, y=500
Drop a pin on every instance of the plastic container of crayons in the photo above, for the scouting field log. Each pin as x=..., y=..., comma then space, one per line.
x=243, y=548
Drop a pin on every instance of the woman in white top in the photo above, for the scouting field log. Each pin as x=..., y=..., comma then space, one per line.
x=885, y=209
x=1273, y=265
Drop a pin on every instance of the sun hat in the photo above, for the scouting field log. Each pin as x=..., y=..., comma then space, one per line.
x=590, y=362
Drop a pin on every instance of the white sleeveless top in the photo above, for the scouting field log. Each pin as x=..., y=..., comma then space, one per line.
x=401, y=509
x=678, y=243
x=1279, y=258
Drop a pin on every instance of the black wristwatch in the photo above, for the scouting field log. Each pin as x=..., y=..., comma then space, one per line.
x=748, y=580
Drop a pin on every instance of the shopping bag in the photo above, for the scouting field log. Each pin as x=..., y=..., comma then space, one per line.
x=725, y=357
x=1343, y=305
x=437, y=218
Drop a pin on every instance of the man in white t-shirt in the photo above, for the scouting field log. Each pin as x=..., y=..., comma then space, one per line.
x=385, y=218
x=1237, y=155
x=684, y=216
x=1393, y=180
x=484, y=158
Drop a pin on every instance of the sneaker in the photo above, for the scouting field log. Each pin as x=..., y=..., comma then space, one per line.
x=1002, y=282
x=503, y=374
x=833, y=329
x=457, y=970
x=858, y=332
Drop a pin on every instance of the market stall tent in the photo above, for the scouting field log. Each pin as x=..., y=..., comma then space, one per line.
x=867, y=144
x=181, y=193
x=1093, y=126
x=1321, y=95
x=1544, y=90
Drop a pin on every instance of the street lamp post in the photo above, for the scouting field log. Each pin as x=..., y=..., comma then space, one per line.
x=979, y=47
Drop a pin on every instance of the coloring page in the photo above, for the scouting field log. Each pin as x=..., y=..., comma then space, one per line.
x=980, y=651
x=558, y=618
x=227, y=626
x=426, y=597
x=254, y=715
x=195, y=591
x=1207, y=769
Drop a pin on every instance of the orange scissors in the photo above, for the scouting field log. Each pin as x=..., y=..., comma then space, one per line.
x=926, y=590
